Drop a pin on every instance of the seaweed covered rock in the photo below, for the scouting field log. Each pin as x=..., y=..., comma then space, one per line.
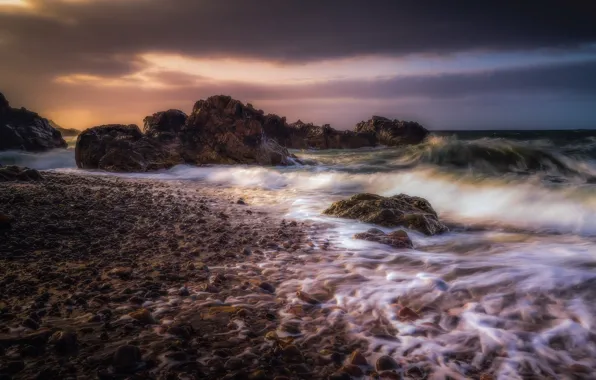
x=393, y=132
x=222, y=130
x=396, y=239
x=21, y=129
x=396, y=211
x=17, y=173
x=122, y=148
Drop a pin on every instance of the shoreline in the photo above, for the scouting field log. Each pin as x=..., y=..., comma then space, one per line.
x=95, y=265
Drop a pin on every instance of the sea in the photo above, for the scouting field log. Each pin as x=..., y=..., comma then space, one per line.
x=511, y=288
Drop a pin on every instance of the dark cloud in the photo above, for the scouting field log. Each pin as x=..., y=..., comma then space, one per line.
x=89, y=36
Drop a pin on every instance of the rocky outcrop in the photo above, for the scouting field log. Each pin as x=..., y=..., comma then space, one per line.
x=396, y=239
x=16, y=173
x=122, y=148
x=393, y=132
x=397, y=211
x=21, y=129
x=301, y=135
x=222, y=130
x=166, y=125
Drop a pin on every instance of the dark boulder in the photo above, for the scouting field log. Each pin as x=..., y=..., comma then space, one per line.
x=393, y=132
x=21, y=129
x=396, y=239
x=165, y=126
x=17, y=173
x=222, y=130
x=122, y=148
x=396, y=211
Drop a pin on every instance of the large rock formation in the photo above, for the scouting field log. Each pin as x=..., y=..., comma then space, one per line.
x=165, y=126
x=222, y=130
x=21, y=129
x=393, y=132
x=301, y=135
x=397, y=211
x=122, y=148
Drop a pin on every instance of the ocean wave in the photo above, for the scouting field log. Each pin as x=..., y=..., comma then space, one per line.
x=524, y=204
x=500, y=156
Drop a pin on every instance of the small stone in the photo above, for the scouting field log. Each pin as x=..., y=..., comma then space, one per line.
x=307, y=298
x=247, y=251
x=30, y=324
x=233, y=364
x=339, y=376
x=407, y=314
x=126, y=358
x=210, y=288
x=121, y=272
x=183, y=292
x=65, y=342
x=386, y=363
x=143, y=316
x=358, y=359
x=267, y=287
x=240, y=201
x=259, y=375
x=5, y=221
x=352, y=370
x=389, y=375
x=486, y=376
x=292, y=352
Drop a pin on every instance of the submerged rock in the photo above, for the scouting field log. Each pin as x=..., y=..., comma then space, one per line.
x=122, y=148
x=21, y=129
x=396, y=211
x=393, y=132
x=397, y=239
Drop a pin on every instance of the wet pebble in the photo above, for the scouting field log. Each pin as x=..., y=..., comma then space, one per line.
x=386, y=363
x=358, y=359
x=267, y=287
x=65, y=342
x=143, y=316
x=233, y=364
x=126, y=358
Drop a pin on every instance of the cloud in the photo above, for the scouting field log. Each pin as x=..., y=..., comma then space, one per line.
x=92, y=36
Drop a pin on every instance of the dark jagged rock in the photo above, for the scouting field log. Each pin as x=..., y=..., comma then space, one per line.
x=300, y=135
x=396, y=239
x=21, y=129
x=17, y=173
x=222, y=130
x=397, y=211
x=393, y=132
x=164, y=126
x=122, y=148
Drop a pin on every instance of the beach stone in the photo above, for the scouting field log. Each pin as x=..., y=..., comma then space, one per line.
x=396, y=239
x=358, y=359
x=18, y=173
x=386, y=363
x=121, y=272
x=65, y=342
x=352, y=370
x=31, y=324
x=389, y=375
x=267, y=287
x=5, y=221
x=340, y=376
x=233, y=364
x=292, y=353
x=408, y=314
x=396, y=211
x=143, y=316
x=126, y=358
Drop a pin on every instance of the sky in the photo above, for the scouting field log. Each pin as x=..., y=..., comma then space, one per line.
x=447, y=64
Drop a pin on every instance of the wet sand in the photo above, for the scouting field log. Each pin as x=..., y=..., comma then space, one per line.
x=112, y=278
